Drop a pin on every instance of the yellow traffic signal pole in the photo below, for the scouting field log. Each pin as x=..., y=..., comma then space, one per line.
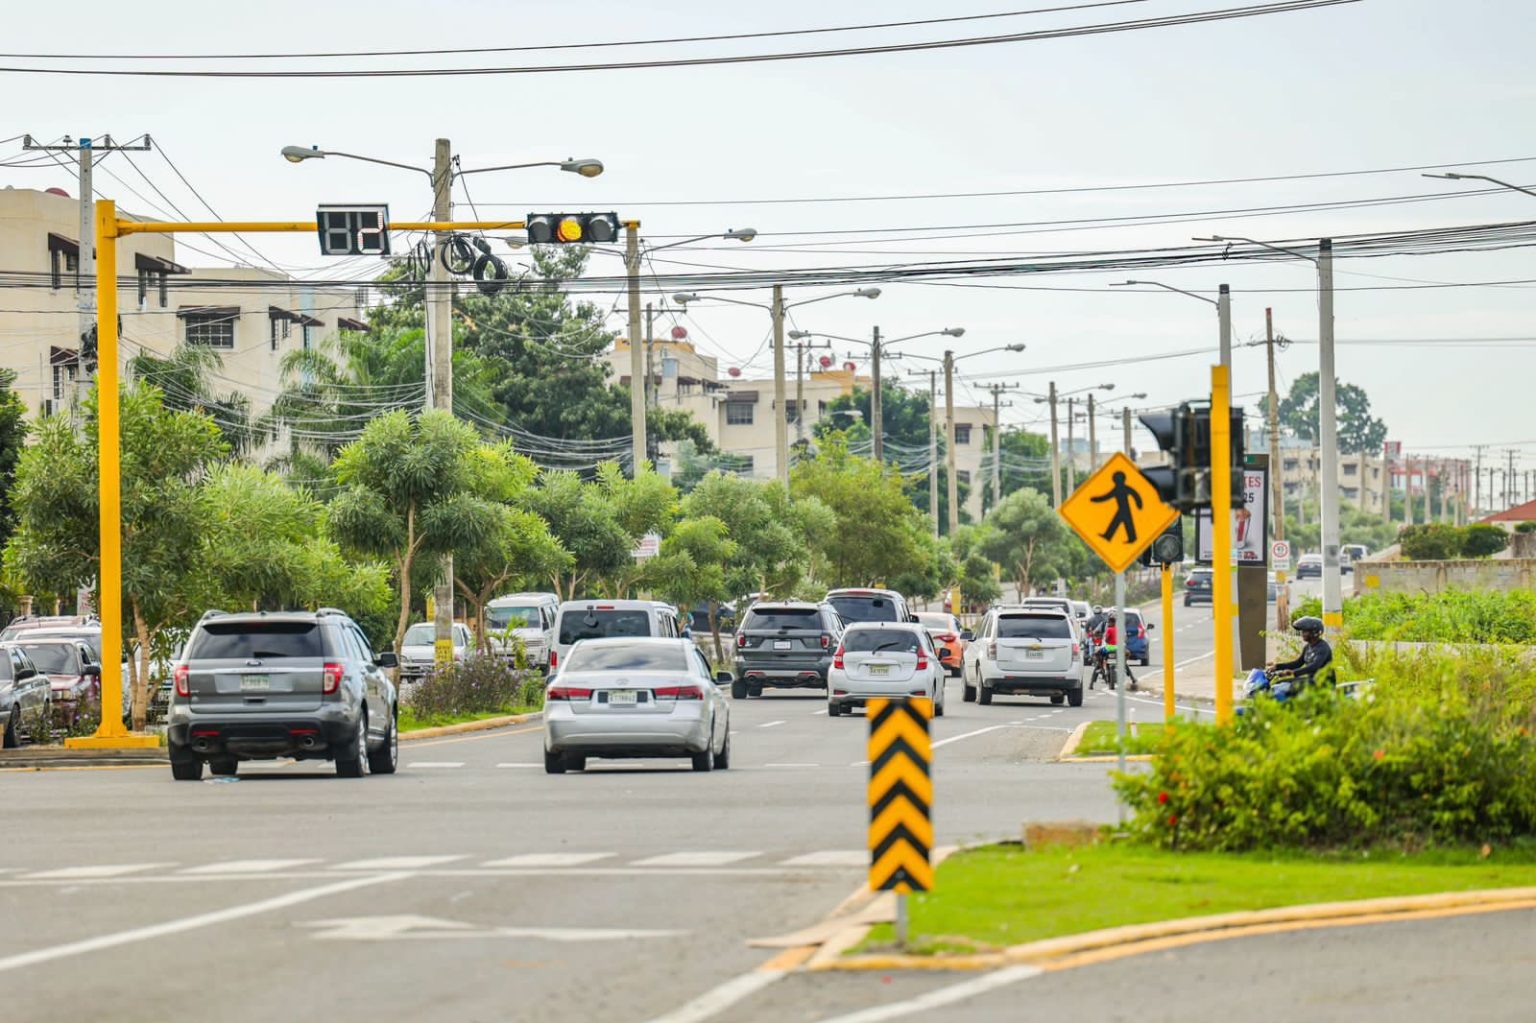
x=1168, y=708
x=110, y=733
x=1221, y=536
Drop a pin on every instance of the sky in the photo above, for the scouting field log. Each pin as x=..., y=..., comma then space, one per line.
x=1368, y=86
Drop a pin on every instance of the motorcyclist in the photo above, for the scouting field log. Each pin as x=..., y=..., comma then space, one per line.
x=1316, y=656
x=1111, y=641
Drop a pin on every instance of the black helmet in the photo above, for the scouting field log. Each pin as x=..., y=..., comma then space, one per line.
x=1308, y=624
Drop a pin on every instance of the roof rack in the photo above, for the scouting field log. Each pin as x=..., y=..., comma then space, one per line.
x=331, y=611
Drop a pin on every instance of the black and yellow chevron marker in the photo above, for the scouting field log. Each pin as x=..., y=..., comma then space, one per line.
x=900, y=795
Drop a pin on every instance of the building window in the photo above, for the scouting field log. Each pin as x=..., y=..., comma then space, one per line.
x=64, y=376
x=738, y=413
x=962, y=475
x=791, y=411
x=962, y=433
x=742, y=465
x=1352, y=493
x=1291, y=464
x=1351, y=469
x=212, y=331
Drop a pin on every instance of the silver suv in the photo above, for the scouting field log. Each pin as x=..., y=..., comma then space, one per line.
x=303, y=684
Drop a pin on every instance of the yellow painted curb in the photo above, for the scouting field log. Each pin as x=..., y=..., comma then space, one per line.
x=469, y=726
x=1074, y=741
x=1108, y=758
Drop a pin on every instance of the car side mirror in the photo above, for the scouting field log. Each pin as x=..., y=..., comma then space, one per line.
x=967, y=635
x=724, y=676
x=1150, y=626
x=91, y=669
x=386, y=659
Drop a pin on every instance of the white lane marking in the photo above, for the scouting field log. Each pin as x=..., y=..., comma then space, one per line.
x=818, y=713
x=520, y=765
x=91, y=873
x=387, y=928
x=573, y=859
x=770, y=724
x=791, y=765
x=190, y=923
x=830, y=858
x=397, y=863
x=941, y=996
x=695, y=859
x=967, y=735
x=246, y=867
x=1179, y=664
x=717, y=999
x=427, y=765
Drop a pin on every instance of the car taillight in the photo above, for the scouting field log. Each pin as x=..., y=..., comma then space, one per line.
x=182, y=675
x=1074, y=649
x=558, y=693
x=992, y=650
x=837, y=657
x=922, y=661
x=554, y=659
x=741, y=640
x=330, y=678
x=826, y=641
x=679, y=692
x=947, y=637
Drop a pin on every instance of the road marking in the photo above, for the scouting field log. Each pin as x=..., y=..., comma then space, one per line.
x=190, y=923
x=520, y=765
x=831, y=858
x=695, y=859
x=393, y=928
x=791, y=765
x=941, y=996
x=1179, y=664
x=92, y=873
x=818, y=713
x=967, y=735
x=246, y=867
x=493, y=733
x=770, y=724
x=397, y=863
x=717, y=999
x=427, y=765
x=549, y=860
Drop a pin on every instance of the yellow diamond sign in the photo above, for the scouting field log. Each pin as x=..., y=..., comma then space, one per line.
x=1117, y=512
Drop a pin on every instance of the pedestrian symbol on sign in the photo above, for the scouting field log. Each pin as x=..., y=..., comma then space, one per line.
x=1122, y=495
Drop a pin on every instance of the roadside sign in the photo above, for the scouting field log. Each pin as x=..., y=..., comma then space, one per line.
x=1117, y=512
x=353, y=230
x=900, y=795
x=442, y=652
x=1280, y=552
x=648, y=546
x=1250, y=523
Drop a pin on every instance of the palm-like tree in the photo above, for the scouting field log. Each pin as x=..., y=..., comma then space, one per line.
x=186, y=378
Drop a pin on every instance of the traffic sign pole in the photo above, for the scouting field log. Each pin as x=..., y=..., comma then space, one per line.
x=1168, y=707
x=1120, y=646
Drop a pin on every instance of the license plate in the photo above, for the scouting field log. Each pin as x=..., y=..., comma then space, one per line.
x=255, y=683
x=1034, y=655
x=617, y=697
x=879, y=669
x=782, y=644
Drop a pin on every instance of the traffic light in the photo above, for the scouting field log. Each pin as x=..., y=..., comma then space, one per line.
x=572, y=228
x=1185, y=433
x=1168, y=548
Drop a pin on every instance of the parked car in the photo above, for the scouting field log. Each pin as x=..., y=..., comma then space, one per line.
x=884, y=659
x=88, y=631
x=530, y=617
x=635, y=696
x=26, y=704
x=1032, y=651
x=866, y=605
x=1309, y=565
x=418, y=651
x=785, y=645
x=725, y=618
x=949, y=638
x=302, y=684
x=1198, y=587
x=73, y=673
x=600, y=619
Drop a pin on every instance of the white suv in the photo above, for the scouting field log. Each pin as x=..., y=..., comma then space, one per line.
x=884, y=659
x=1025, y=651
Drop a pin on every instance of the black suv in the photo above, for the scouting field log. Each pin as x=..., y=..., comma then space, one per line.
x=1198, y=588
x=785, y=644
x=260, y=685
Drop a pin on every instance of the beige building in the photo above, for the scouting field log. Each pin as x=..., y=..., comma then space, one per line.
x=1363, y=479
x=251, y=317
x=738, y=412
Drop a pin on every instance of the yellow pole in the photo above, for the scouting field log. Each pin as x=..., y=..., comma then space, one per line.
x=1168, y=708
x=1221, y=536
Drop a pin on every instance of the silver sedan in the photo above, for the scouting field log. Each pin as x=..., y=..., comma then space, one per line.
x=636, y=697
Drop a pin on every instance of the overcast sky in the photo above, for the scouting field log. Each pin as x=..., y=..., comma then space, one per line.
x=1372, y=85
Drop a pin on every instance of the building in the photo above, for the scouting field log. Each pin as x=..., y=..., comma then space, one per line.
x=737, y=412
x=251, y=317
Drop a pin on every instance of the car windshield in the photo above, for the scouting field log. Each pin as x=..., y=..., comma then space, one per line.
x=247, y=640
x=424, y=634
x=1133, y=619
x=864, y=608
x=1033, y=627
x=52, y=658
x=512, y=617
x=90, y=637
x=880, y=641
x=627, y=657
x=599, y=623
x=933, y=620
x=782, y=618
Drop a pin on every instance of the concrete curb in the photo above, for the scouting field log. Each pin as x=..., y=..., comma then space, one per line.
x=482, y=725
x=1068, y=754
x=1131, y=939
x=1074, y=741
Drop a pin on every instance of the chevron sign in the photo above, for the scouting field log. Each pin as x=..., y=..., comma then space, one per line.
x=900, y=795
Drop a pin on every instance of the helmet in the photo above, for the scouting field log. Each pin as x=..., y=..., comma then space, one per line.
x=1308, y=624
x=1098, y=609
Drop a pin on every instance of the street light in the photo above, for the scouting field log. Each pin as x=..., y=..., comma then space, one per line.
x=1453, y=176
x=587, y=168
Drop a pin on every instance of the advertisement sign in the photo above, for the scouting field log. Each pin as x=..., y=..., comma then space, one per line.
x=1250, y=524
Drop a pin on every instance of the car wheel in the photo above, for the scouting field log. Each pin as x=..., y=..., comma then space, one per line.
x=12, y=737
x=738, y=689
x=1075, y=697
x=705, y=761
x=1146, y=660
x=755, y=692
x=983, y=694
x=834, y=709
x=967, y=691
x=938, y=702
x=1188, y=602
x=723, y=758
x=554, y=763
x=223, y=767
x=352, y=757
x=185, y=765
x=1057, y=699
x=387, y=759
x=575, y=762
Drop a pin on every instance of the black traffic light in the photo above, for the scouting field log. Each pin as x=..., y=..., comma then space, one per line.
x=1168, y=548
x=1185, y=433
x=572, y=228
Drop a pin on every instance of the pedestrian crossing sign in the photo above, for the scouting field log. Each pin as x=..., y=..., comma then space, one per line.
x=1117, y=512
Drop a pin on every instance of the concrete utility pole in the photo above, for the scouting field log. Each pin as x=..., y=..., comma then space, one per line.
x=1125, y=427
x=876, y=407
x=780, y=425
x=1333, y=582
x=1093, y=436
x=1071, y=446
x=997, y=438
x=799, y=392
x=638, y=379
x=1477, y=482
x=1276, y=483
x=1224, y=322
x=1428, y=513
x=1055, y=452
x=953, y=486
x=440, y=373
x=1408, y=490
x=651, y=398
x=933, y=449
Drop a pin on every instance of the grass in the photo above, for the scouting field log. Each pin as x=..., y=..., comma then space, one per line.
x=1101, y=738
x=1003, y=895
x=410, y=721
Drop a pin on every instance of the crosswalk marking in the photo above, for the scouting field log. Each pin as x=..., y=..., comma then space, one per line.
x=419, y=765
x=550, y=859
x=247, y=867
x=90, y=873
x=830, y=858
x=695, y=859
x=397, y=863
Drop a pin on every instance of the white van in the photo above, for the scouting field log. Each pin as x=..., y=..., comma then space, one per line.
x=600, y=619
x=528, y=616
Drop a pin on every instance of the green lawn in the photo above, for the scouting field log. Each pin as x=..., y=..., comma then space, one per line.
x=409, y=722
x=1100, y=738
x=1001, y=895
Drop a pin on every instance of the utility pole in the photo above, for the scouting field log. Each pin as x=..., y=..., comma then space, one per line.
x=953, y=487
x=1071, y=446
x=780, y=425
x=1224, y=323
x=1428, y=512
x=651, y=397
x=997, y=439
x=933, y=449
x=440, y=373
x=876, y=408
x=1408, y=492
x=801, y=348
x=1333, y=582
x=638, y=378
x=1125, y=427
x=1477, y=482
x=1055, y=452
x=1093, y=436
x=1276, y=483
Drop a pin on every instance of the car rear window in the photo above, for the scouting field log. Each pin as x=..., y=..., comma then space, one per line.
x=600, y=624
x=52, y=658
x=885, y=641
x=1033, y=627
x=627, y=658
x=230, y=641
x=783, y=618
x=864, y=608
x=513, y=617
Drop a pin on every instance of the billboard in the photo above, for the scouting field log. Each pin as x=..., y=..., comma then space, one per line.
x=1250, y=524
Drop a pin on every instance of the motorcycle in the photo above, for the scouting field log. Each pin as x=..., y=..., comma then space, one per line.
x=1104, y=667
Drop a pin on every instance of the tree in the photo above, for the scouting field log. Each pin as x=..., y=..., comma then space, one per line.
x=13, y=435
x=184, y=378
x=1359, y=432
x=874, y=528
x=1026, y=462
x=407, y=491
x=1436, y=541
x=1482, y=540
x=1028, y=539
x=691, y=568
x=585, y=525
x=772, y=546
x=974, y=570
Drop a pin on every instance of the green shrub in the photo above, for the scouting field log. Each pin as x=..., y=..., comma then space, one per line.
x=1526, y=527
x=1309, y=607
x=480, y=684
x=1451, y=616
x=1482, y=540
x=1434, y=541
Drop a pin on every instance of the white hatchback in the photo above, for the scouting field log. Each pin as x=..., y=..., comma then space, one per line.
x=884, y=659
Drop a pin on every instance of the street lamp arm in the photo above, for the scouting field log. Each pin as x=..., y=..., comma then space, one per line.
x=1165, y=287
x=1480, y=177
x=685, y=297
x=1262, y=245
x=297, y=154
x=744, y=234
x=856, y=293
